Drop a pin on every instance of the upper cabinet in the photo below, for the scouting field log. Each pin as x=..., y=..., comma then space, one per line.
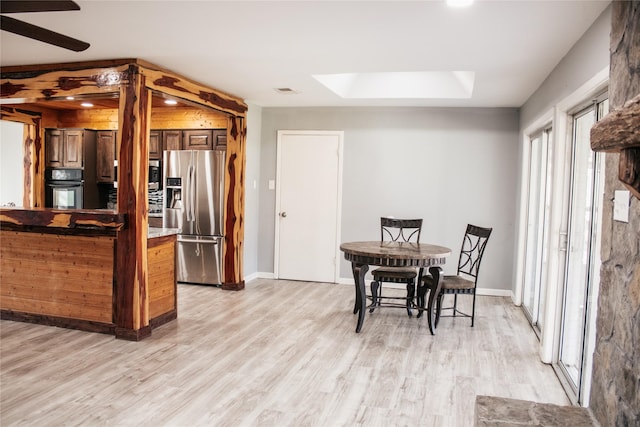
x=161, y=140
x=172, y=139
x=105, y=155
x=155, y=145
x=197, y=139
x=64, y=148
x=220, y=139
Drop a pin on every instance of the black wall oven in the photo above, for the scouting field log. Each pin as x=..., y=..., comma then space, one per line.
x=63, y=188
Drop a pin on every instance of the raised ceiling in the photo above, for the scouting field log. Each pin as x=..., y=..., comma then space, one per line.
x=250, y=48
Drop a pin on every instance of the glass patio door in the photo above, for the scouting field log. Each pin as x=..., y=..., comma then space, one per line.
x=583, y=257
x=533, y=293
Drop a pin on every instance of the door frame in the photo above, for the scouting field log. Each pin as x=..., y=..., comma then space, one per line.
x=340, y=155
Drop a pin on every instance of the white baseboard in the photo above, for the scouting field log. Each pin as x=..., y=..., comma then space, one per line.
x=258, y=275
x=349, y=281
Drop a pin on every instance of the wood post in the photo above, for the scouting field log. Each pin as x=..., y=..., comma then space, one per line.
x=132, y=308
x=234, y=190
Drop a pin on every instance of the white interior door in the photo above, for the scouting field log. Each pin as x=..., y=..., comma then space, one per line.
x=308, y=204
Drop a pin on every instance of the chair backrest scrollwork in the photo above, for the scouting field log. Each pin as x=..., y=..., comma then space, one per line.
x=473, y=245
x=400, y=230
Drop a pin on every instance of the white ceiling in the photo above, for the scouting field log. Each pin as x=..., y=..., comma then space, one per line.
x=248, y=48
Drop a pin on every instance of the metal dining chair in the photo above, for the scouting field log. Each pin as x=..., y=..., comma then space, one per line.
x=464, y=282
x=396, y=230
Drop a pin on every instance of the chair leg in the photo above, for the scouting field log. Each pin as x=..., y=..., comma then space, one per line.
x=375, y=285
x=455, y=304
x=438, y=308
x=422, y=292
x=411, y=292
x=473, y=309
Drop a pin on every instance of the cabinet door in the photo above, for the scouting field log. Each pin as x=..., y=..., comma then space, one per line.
x=197, y=139
x=155, y=145
x=105, y=155
x=54, y=148
x=172, y=139
x=220, y=139
x=73, y=148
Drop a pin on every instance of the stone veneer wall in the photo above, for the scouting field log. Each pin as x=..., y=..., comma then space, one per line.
x=615, y=389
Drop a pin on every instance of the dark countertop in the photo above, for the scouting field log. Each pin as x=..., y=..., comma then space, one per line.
x=47, y=218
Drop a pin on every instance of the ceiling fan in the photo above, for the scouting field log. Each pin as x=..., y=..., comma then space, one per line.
x=33, y=31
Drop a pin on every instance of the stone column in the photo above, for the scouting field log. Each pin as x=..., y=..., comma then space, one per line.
x=615, y=389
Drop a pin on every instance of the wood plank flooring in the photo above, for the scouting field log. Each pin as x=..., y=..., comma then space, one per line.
x=279, y=353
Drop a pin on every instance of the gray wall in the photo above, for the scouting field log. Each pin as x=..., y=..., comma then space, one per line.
x=448, y=166
x=587, y=57
x=252, y=176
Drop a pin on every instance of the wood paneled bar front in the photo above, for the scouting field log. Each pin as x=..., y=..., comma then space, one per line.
x=25, y=89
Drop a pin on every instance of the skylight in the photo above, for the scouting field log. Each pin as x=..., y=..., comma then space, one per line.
x=399, y=85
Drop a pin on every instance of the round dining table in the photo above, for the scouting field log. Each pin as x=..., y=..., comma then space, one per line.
x=395, y=254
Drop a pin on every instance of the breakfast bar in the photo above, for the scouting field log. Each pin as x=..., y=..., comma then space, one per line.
x=59, y=268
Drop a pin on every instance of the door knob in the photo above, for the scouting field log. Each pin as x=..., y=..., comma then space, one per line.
x=283, y=214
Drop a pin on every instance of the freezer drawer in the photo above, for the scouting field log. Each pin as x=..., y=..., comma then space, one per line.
x=199, y=260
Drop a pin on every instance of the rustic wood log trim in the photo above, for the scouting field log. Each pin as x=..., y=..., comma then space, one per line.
x=60, y=83
x=178, y=86
x=163, y=318
x=61, y=322
x=233, y=286
x=59, y=219
x=131, y=294
x=13, y=114
x=16, y=71
x=234, y=203
x=620, y=129
x=133, y=334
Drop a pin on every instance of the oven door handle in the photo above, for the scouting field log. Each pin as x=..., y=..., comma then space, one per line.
x=66, y=184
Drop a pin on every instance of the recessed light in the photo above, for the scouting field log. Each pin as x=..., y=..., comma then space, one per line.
x=70, y=98
x=459, y=3
x=170, y=102
x=87, y=104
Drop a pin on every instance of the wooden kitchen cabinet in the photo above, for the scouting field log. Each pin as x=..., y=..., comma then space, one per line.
x=105, y=155
x=220, y=139
x=155, y=145
x=65, y=148
x=172, y=140
x=201, y=139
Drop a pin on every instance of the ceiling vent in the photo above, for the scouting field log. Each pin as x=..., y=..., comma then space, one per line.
x=286, y=91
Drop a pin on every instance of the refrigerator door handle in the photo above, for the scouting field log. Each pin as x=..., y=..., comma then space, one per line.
x=192, y=202
x=211, y=241
x=188, y=206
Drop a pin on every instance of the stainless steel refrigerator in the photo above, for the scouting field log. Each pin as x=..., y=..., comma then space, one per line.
x=194, y=204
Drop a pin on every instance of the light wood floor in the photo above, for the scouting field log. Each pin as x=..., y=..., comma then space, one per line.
x=279, y=353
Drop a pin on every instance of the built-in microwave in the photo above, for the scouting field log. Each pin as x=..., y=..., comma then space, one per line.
x=155, y=174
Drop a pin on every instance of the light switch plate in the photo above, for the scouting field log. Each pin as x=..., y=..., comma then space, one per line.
x=621, y=205
x=272, y=184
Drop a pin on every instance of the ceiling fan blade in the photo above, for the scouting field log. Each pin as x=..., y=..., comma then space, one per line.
x=38, y=33
x=17, y=6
